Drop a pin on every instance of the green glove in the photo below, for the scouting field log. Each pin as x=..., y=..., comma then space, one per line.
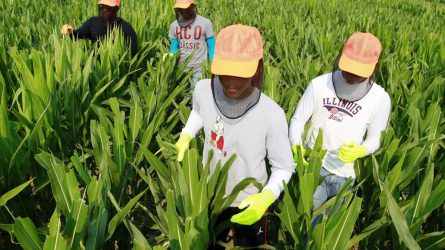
x=182, y=145
x=296, y=156
x=351, y=151
x=165, y=56
x=258, y=203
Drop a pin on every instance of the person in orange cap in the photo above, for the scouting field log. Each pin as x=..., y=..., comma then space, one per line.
x=191, y=35
x=98, y=27
x=346, y=105
x=239, y=119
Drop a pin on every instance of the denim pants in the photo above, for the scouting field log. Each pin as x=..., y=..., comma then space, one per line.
x=195, y=78
x=327, y=189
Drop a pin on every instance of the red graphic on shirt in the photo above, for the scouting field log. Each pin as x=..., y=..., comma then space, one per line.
x=216, y=136
x=217, y=143
x=185, y=32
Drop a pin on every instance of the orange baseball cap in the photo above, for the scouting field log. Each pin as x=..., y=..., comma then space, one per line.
x=238, y=50
x=360, y=54
x=111, y=3
x=183, y=4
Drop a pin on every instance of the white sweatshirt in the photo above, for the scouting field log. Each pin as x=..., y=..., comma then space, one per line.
x=340, y=121
x=261, y=131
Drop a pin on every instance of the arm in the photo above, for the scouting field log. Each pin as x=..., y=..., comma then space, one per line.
x=130, y=36
x=194, y=122
x=174, y=46
x=280, y=155
x=378, y=124
x=303, y=113
x=210, y=39
x=211, y=47
x=84, y=32
x=193, y=125
x=173, y=38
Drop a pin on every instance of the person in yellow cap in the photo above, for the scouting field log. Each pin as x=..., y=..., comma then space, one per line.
x=239, y=119
x=346, y=105
x=98, y=27
x=191, y=35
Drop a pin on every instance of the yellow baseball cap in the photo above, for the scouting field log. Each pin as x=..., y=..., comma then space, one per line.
x=238, y=50
x=111, y=3
x=360, y=54
x=183, y=4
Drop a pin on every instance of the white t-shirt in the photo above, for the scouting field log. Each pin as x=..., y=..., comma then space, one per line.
x=192, y=40
x=340, y=121
x=261, y=132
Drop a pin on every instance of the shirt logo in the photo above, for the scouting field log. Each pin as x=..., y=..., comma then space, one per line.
x=189, y=37
x=216, y=136
x=339, y=108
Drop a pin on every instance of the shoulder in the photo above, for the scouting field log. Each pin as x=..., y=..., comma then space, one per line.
x=270, y=107
x=125, y=24
x=203, y=19
x=380, y=91
x=202, y=86
x=322, y=80
x=174, y=24
x=92, y=20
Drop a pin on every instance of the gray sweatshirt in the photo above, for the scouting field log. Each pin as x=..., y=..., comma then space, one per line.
x=261, y=132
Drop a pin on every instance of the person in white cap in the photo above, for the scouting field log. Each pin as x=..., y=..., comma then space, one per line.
x=239, y=119
x=96, y=28
x=191, y=35
x=346, y=105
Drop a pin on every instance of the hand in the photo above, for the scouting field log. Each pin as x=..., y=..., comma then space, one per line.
x=351, y=151
x=182, y=145
x=257, y=205
x=164, y=56
x=297, y=156
x=67, y=29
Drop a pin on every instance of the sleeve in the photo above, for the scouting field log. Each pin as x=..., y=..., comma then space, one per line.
x=131, y=37
x=279, y=154
x=84, y=32
x=211, y=47
x=193, y=125
x=172, y=32
x=209, y=29
x=378, y=124
x=174, y=46
x=302, y=114
x=194, y=122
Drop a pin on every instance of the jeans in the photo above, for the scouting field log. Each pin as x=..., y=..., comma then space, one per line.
x=327, y=189
x=195, y=78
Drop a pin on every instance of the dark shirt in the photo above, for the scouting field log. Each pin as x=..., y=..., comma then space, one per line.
x=95, y=29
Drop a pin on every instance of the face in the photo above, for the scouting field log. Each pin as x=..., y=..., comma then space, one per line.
x=188, y=13
x=108, y=13
x=351, y=78
x=236, y=87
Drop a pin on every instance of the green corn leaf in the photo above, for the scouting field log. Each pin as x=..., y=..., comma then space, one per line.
x=97, y=229
x=117, y=219
x=399, y=221
x=432, y=241
x=26, y=233
x=13, y=192
x=344, y=225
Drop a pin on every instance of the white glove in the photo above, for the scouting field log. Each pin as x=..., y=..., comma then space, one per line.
x=67, y=29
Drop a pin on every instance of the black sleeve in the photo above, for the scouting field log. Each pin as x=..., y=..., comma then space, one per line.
x=84, y=32
x=131, y=37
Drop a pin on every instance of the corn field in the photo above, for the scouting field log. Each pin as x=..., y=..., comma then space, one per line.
x=87, y=132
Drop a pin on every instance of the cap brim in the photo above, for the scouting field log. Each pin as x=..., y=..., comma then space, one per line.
x=230, y=68
x=354, y=67
x=107, y=3
x=182, y=5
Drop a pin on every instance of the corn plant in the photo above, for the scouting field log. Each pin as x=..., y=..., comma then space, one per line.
x=105, y=123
